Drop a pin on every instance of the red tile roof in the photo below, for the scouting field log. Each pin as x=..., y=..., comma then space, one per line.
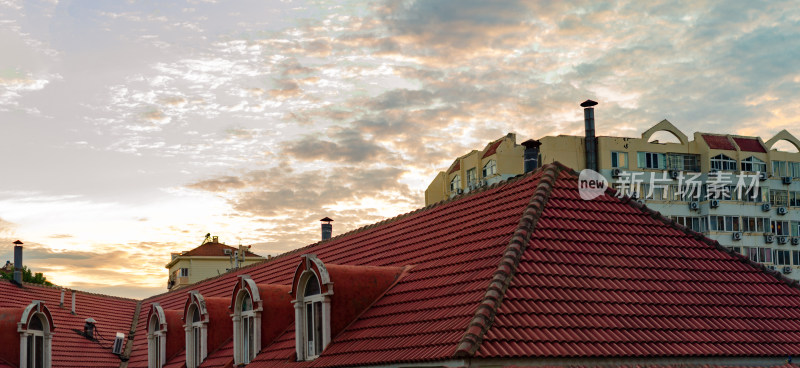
x=720, y=142
x=493, y=148
x=70, y=349
x=749, y=144
x=212, y=249
x=526, y=269
x=455, y=167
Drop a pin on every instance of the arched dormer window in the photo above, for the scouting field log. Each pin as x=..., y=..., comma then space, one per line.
x=196, y=327
x=156, y=337
x=36, y=336
x=723, y=163
x=313, y=290
x=247, y=308
x=753, y=164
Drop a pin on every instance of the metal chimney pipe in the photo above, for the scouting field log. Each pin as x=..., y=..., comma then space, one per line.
x=531, y=155
x=590, y=140
x=327, y=228
x=18, y=262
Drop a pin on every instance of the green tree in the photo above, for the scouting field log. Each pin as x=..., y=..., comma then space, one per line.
x=27, y=276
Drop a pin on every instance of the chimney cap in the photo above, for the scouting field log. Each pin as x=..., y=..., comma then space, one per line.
x=327, y=219
x=17, y=242
x=588, y=103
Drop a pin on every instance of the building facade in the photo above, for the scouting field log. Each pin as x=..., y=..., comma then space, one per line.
x=498, y=161
x=737, y=190
x=210, y=259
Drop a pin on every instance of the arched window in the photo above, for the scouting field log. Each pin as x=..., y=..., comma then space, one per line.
x=312, y=291
x=196, y=327
x=490, y=168
x=753, y=164
x=455, y=184
x=246, y=327
x=36, y=336
x=156, y=337
x=723, y=163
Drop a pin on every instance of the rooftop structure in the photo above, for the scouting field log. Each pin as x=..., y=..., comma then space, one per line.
x=211, y=258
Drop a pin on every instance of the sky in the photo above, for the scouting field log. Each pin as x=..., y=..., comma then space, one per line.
x=130, y=129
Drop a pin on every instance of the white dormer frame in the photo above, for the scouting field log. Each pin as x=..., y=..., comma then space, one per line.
x=156, y=337
x=308, y=309
x=247, y=288
x=196, y=330
x=28, y=336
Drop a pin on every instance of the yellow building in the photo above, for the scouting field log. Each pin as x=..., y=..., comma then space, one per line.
x=761, y=223
x=209, y=259
x=499, y=160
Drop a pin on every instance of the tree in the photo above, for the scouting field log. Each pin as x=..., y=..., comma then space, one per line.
x=27, y=276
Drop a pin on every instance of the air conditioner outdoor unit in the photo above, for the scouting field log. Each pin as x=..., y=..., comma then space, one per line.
x=787, y=269
x=783, y=239
x=615, y=173
x=117, y=347
x=737, y=236
x=694, y=206
x=713, y=203
x=769, y=238
x=771, y=267
x=787, y=179
x=762, y=176
x=459, y=191
x=674, y=174
x=766, y=207
x=782, y=210
x=795, y=241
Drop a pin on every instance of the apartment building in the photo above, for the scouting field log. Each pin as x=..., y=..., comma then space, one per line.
x=210, y=259
x=741, y=191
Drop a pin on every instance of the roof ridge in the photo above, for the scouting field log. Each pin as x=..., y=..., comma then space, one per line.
x=58, y=287
x=484, y=315
x=696, y=235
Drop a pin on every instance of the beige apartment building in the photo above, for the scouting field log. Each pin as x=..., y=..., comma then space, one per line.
x=760, y=220
x=210, y=259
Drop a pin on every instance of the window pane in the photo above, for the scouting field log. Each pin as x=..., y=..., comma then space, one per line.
x=318, y=327
x=312, y=286
x=39, y=352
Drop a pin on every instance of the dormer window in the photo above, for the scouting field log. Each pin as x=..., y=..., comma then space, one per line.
x=312, y=290
x=247, y=308
x=248, y=327
x=156, y=337
x=36, y=334
x=196, y=327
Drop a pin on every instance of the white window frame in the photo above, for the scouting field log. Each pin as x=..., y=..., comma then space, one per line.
x=490, y=169
x=156, y=337
x=244, y=321
x=315, y=267
x=754, y=164
x=35, y=310
x=472, y=177
x=615, y=156
x=181, y=272
x=455, y=183
x=196, y=331
x=651, y=160
x=722, y=162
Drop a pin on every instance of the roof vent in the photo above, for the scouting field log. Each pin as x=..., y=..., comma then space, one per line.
x=89, y=328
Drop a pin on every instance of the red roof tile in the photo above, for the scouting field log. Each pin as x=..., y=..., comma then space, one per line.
x=493, y=148
x=720, y=142
x=455, y=167
x=111, y=313
x=749, y=144
x=212, y=249
x=526, y=269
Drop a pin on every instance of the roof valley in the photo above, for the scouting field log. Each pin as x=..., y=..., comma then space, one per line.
x=501, y=278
